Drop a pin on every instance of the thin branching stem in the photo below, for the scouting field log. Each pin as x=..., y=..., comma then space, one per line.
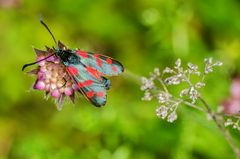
x=168, y=101
x=192, y=105
x=163, y=85
x=221, y=128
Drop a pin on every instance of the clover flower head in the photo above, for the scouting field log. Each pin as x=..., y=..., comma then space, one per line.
x=53, y=78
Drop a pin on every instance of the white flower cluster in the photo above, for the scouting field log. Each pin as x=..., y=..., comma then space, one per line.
x=209, y=65
x=156, y=86
x=234, y=123
x=164, y=111
x=147, y=84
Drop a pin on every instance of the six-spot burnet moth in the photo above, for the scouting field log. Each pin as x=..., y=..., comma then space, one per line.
x=62, y=71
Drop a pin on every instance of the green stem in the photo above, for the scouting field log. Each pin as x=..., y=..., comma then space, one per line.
x=163, y=85
x=222, y=129
x=226, y=134
x=133, y=77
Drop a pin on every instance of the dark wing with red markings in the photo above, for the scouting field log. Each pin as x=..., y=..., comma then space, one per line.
x=103, y=64
x=89, y=82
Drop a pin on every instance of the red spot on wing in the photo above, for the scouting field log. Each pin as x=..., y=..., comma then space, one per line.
x=93, y=72
x=80, y=84
x=100, y=94
x=68, y=71
x=109, y=61
x=90, y=94
x=72, y=70
x=100, y=73
x=88, y=83
x=96, y=55
x=85, y=83
x=114, y=68
x=82, y=54
x=99, y=62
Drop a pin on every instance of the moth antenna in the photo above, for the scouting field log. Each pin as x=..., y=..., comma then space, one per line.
x=45, y=25
x=33, y=63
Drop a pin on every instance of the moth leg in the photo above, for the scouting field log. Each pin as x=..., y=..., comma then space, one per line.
x=65, y=82
x=50, y=62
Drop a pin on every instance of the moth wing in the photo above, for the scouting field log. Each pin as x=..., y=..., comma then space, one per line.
x=105, y=65
x=89, y=82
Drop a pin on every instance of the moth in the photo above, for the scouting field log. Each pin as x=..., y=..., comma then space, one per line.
x=87, y=71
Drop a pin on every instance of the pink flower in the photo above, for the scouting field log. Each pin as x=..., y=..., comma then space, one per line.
x=53, y=78
x=235, y=88
x=232, y=104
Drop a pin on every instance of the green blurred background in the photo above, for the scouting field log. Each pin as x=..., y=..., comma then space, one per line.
x=142, y=34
